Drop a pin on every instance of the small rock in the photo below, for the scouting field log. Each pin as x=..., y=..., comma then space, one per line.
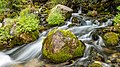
x=92, y=13
x=64, y=8
x=62, y=45
x=58, y=14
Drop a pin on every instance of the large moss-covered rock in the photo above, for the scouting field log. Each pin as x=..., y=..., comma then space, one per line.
x=58, y=14
x=111, y=38
x=62, y=45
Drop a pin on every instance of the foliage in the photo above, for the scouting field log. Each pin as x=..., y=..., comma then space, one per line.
x=27, y=23
x=3, y=4
x=25, y=12
x=117, y=17
x=5, y=37
x=118, y=7
x=55, y=18
x=4, y=33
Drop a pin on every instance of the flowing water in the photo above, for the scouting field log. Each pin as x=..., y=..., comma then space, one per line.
x=84, y=31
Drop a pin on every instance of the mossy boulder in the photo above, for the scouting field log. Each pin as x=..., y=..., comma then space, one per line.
x=62, y=45
x=111, y=39
x=58, y=14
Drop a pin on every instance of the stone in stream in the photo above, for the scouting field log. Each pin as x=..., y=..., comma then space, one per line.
x=62, y=45
x=58, y=14
x=92, y=13
x=111, y=39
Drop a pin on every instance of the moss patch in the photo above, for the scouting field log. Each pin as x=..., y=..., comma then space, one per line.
x=111, y=38
x=55, y=17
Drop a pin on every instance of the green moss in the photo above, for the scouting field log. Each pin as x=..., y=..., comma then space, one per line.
x=55, y=18
x=25, y=11
x=27, y=27
x=72, y=47
x=117, y=17
x=1, y=18
x=111, y=38
x=65, y=33
x=3, y=7
x=57, y=57
x=3, y=4
x=118, y=7
x=78, y=51
x=68, y=33
x=27, y=23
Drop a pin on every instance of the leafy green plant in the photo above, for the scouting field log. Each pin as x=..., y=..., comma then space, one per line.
x=117, y=17
x=118, y=7
x=55, y=18
x=25, y=12
x=5, y=37
x=3, y=4
x=4, y=33
x=27, y=23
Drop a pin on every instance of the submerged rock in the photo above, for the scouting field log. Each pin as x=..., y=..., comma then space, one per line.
x=111, y=39
x=58, y=14
x=62, y=45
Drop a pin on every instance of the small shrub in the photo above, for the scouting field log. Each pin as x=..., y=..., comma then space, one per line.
x=117, y=17
x=27, y=23
x=55, y=18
